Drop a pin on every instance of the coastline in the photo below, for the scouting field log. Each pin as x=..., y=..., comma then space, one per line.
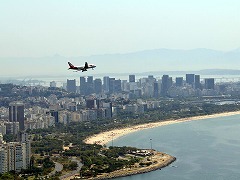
x=159, y=160
x=107, y=136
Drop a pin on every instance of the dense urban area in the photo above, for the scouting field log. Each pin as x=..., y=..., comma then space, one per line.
x=42, y=128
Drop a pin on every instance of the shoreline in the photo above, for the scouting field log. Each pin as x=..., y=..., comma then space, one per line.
x=159, y=160
x=105, y=137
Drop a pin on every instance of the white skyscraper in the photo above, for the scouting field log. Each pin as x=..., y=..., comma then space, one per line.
x=3, y=159
x=15, y=156
x=26, y=150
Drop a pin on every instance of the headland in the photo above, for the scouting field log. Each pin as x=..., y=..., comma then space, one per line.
x=154, y=161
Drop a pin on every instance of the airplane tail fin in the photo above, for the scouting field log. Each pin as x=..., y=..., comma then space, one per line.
x=86, y=65
x=70, y=65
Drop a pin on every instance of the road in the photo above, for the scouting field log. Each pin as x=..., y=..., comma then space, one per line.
x=58, y=168
x=72, y=173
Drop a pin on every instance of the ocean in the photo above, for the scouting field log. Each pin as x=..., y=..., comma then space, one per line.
x=206, y=149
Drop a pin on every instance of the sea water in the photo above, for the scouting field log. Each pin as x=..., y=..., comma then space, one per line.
x=206, y=149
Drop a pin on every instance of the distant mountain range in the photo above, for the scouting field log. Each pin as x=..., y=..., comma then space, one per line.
x=158, y=61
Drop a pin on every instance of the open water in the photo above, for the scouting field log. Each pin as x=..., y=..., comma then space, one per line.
x=205, y=149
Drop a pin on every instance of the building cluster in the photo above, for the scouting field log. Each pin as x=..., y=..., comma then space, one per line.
x=17, y=118
x=15, y=156
x=97, y=99
x=145, y=87
x=79, y=109
x=101, y=98
x=99, y=109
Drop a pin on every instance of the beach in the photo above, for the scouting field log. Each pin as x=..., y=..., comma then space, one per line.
x=106, y=137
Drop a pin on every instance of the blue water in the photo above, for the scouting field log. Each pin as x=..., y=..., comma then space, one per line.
x=205, y=149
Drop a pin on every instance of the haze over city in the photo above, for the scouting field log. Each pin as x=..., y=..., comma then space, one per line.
x=116, y=35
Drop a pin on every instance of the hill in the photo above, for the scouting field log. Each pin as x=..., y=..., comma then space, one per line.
x=158, y=60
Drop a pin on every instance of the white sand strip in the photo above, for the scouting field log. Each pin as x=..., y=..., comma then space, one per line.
x=108, y=136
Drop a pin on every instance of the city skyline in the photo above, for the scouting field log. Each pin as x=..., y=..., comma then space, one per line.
x=101, y=104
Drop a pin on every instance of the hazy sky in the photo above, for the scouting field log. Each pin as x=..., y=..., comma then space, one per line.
x=86, y=27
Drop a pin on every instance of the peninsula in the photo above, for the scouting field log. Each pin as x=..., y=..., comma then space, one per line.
x=151, y=160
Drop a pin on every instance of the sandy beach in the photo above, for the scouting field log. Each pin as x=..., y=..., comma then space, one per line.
x=106, y=137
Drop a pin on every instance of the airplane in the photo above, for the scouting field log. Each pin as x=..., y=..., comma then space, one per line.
x=81, y=68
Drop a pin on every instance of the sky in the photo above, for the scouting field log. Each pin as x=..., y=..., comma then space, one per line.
x=88, y=27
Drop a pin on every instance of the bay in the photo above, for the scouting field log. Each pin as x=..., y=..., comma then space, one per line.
x=205, y=149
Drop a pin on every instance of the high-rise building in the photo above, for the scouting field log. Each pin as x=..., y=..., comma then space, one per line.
x=98, y=86
x=15, y=156
x=179, y=81
x=151, y=79
x=25, y=140
x=83, y=85
x=3, y=159
x=131, y=78
x=90, y=79
x=106, y=84
x=165, y=85
x=197, y=82
x=209, y=83
x=111, y=85
x=170, y=82
x=71, y=86
x=90, y=85
x=16, y=114
x=190, y=79
x=118, y=86
x=156, y=90
x=108, y=109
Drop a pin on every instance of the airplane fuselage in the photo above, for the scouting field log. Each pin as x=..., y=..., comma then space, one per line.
x=81, y=68
x=91, y=66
